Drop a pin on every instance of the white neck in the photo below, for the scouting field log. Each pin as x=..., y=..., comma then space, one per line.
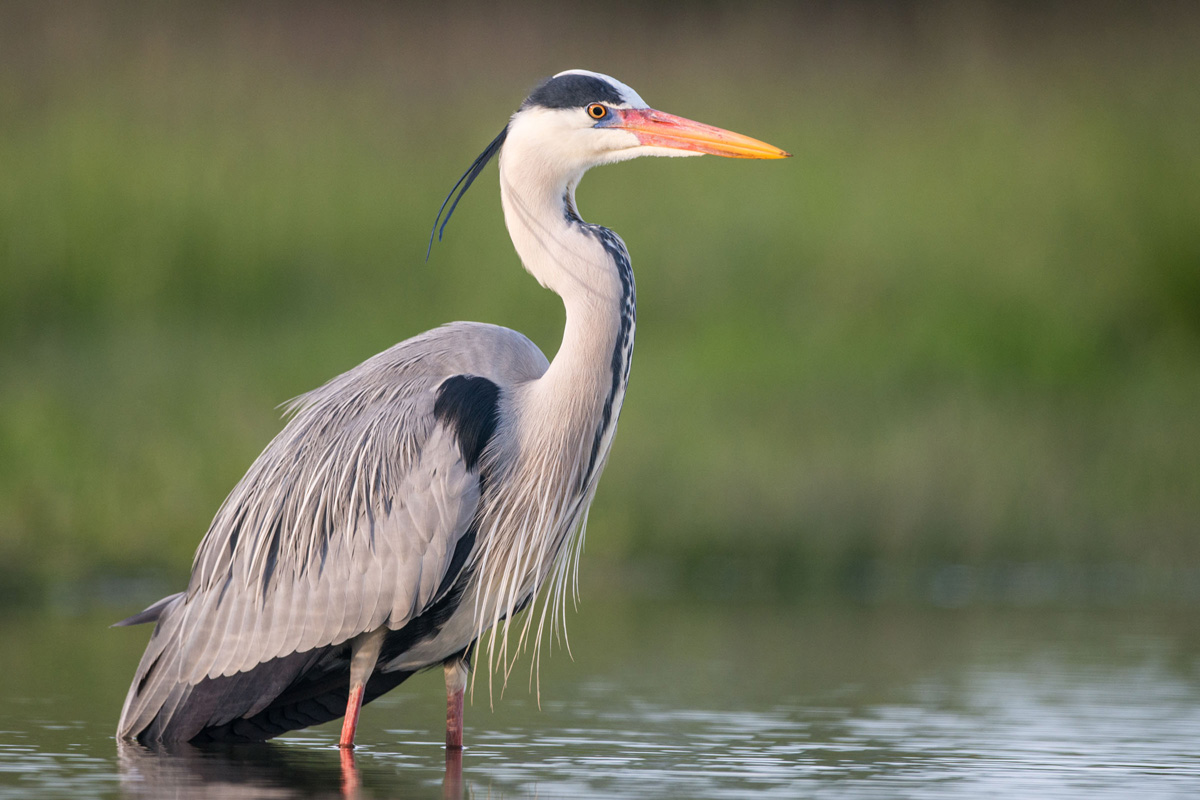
x=579, y=397
x=557, y=250
x=567, y=257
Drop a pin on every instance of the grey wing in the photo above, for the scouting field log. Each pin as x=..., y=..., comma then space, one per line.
x=349, y=520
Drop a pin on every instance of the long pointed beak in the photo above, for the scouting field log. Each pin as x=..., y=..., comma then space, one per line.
x=660, y=129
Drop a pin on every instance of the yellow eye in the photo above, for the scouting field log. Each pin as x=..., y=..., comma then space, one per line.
x=597, y=111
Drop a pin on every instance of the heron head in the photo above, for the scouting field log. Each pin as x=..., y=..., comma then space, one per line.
x=580, y=119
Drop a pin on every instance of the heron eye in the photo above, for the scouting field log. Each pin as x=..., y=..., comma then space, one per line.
x=597, y=111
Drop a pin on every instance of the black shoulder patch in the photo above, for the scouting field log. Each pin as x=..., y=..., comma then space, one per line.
x=573, y=91
x=469, y=405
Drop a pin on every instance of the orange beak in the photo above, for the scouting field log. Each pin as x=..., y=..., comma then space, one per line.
x=660, y=129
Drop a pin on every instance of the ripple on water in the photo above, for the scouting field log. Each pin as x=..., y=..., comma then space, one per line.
x=1050, y=720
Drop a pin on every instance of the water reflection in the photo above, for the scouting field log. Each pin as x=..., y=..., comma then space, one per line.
x=239, y=772
x=183, y=771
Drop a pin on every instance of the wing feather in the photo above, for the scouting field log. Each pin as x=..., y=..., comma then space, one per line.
x=347, y=521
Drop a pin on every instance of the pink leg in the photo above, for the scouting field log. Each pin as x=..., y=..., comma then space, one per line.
x=456, y=686
x=454, y=720
x=350, y=723
x=364, y=652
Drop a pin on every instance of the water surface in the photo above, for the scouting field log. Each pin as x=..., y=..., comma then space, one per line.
x=680, y=700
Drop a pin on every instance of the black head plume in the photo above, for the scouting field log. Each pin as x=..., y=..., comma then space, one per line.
x=461, y=187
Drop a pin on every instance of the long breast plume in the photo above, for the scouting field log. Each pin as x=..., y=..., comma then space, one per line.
x=528, y=542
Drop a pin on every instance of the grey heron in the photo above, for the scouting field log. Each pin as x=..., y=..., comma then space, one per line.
x=413, y=505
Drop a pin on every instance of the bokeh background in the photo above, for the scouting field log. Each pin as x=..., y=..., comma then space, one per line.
x=949, y=351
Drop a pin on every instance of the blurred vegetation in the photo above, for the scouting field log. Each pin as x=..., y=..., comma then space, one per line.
x=962, y=325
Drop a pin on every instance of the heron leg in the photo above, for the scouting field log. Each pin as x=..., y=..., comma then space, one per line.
x=456, y=687
x=364, y=652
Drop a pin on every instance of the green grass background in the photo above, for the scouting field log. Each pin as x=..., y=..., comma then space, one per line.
x=960, y=326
